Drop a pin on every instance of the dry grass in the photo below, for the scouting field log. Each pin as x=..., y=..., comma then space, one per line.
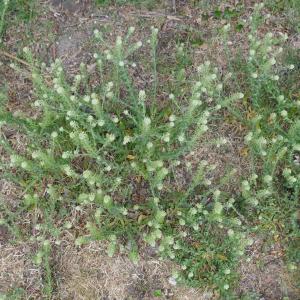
x=9, y=193
x=18, y=271
x=266, y=275
x=87, y=273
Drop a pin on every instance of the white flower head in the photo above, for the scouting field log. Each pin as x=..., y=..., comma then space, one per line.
x=252, y=52
x=82, y=136
x=97, y=33
x=226, y=27
x=149, y=145
x=90, y=118
x=249, y=136
x=154, y=30
x=101, y=123
x=291, y=67
x=220, y=86
x=86, y=174
x=160, y=186
x=284, y=113
x=131, y=29
x=35, y=154
x=24, y=165
x=86, y=98
x=204, y=128
x=217, y=193
x=142, y=95
x=119, y=40
x=166, y=137
x=272, y=61
x=108, y=168
x=240, y=95
x=106, y=199
x=181, y=138
x=60, y=90
x=37, y=103
x=66, y=155
x=70, y=113
x=139, y=44
x=172, y=118
x=25, y=49
x=54, y=134
x=280, y=98
x=230, y=232
x=95, y=101
x=73, y=124
x=172, y=281
x=109, y=95
x=196, y=103
x=109, y=86
x=147, y=121
x=115, y=119
x=267, y=179
x=72, y=135
x=279, y=50
x=127, y=139
x=245, y=185
x=110, y=137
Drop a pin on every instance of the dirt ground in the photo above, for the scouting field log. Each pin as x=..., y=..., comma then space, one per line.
x=63, y=30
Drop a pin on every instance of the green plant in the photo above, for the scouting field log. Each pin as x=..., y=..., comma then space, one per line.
x=114, y=152
x=22, y=9
x=271, y=113
x=19, y=9
x=14, y=294
x=274, y=122
x=290, y=8
x=91, y=147
x=157, y=293
x=3, y=8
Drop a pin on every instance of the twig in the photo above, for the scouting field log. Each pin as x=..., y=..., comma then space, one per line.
x=174, y=5
x=14, y=58
x=156, y=15
x=22, y=62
